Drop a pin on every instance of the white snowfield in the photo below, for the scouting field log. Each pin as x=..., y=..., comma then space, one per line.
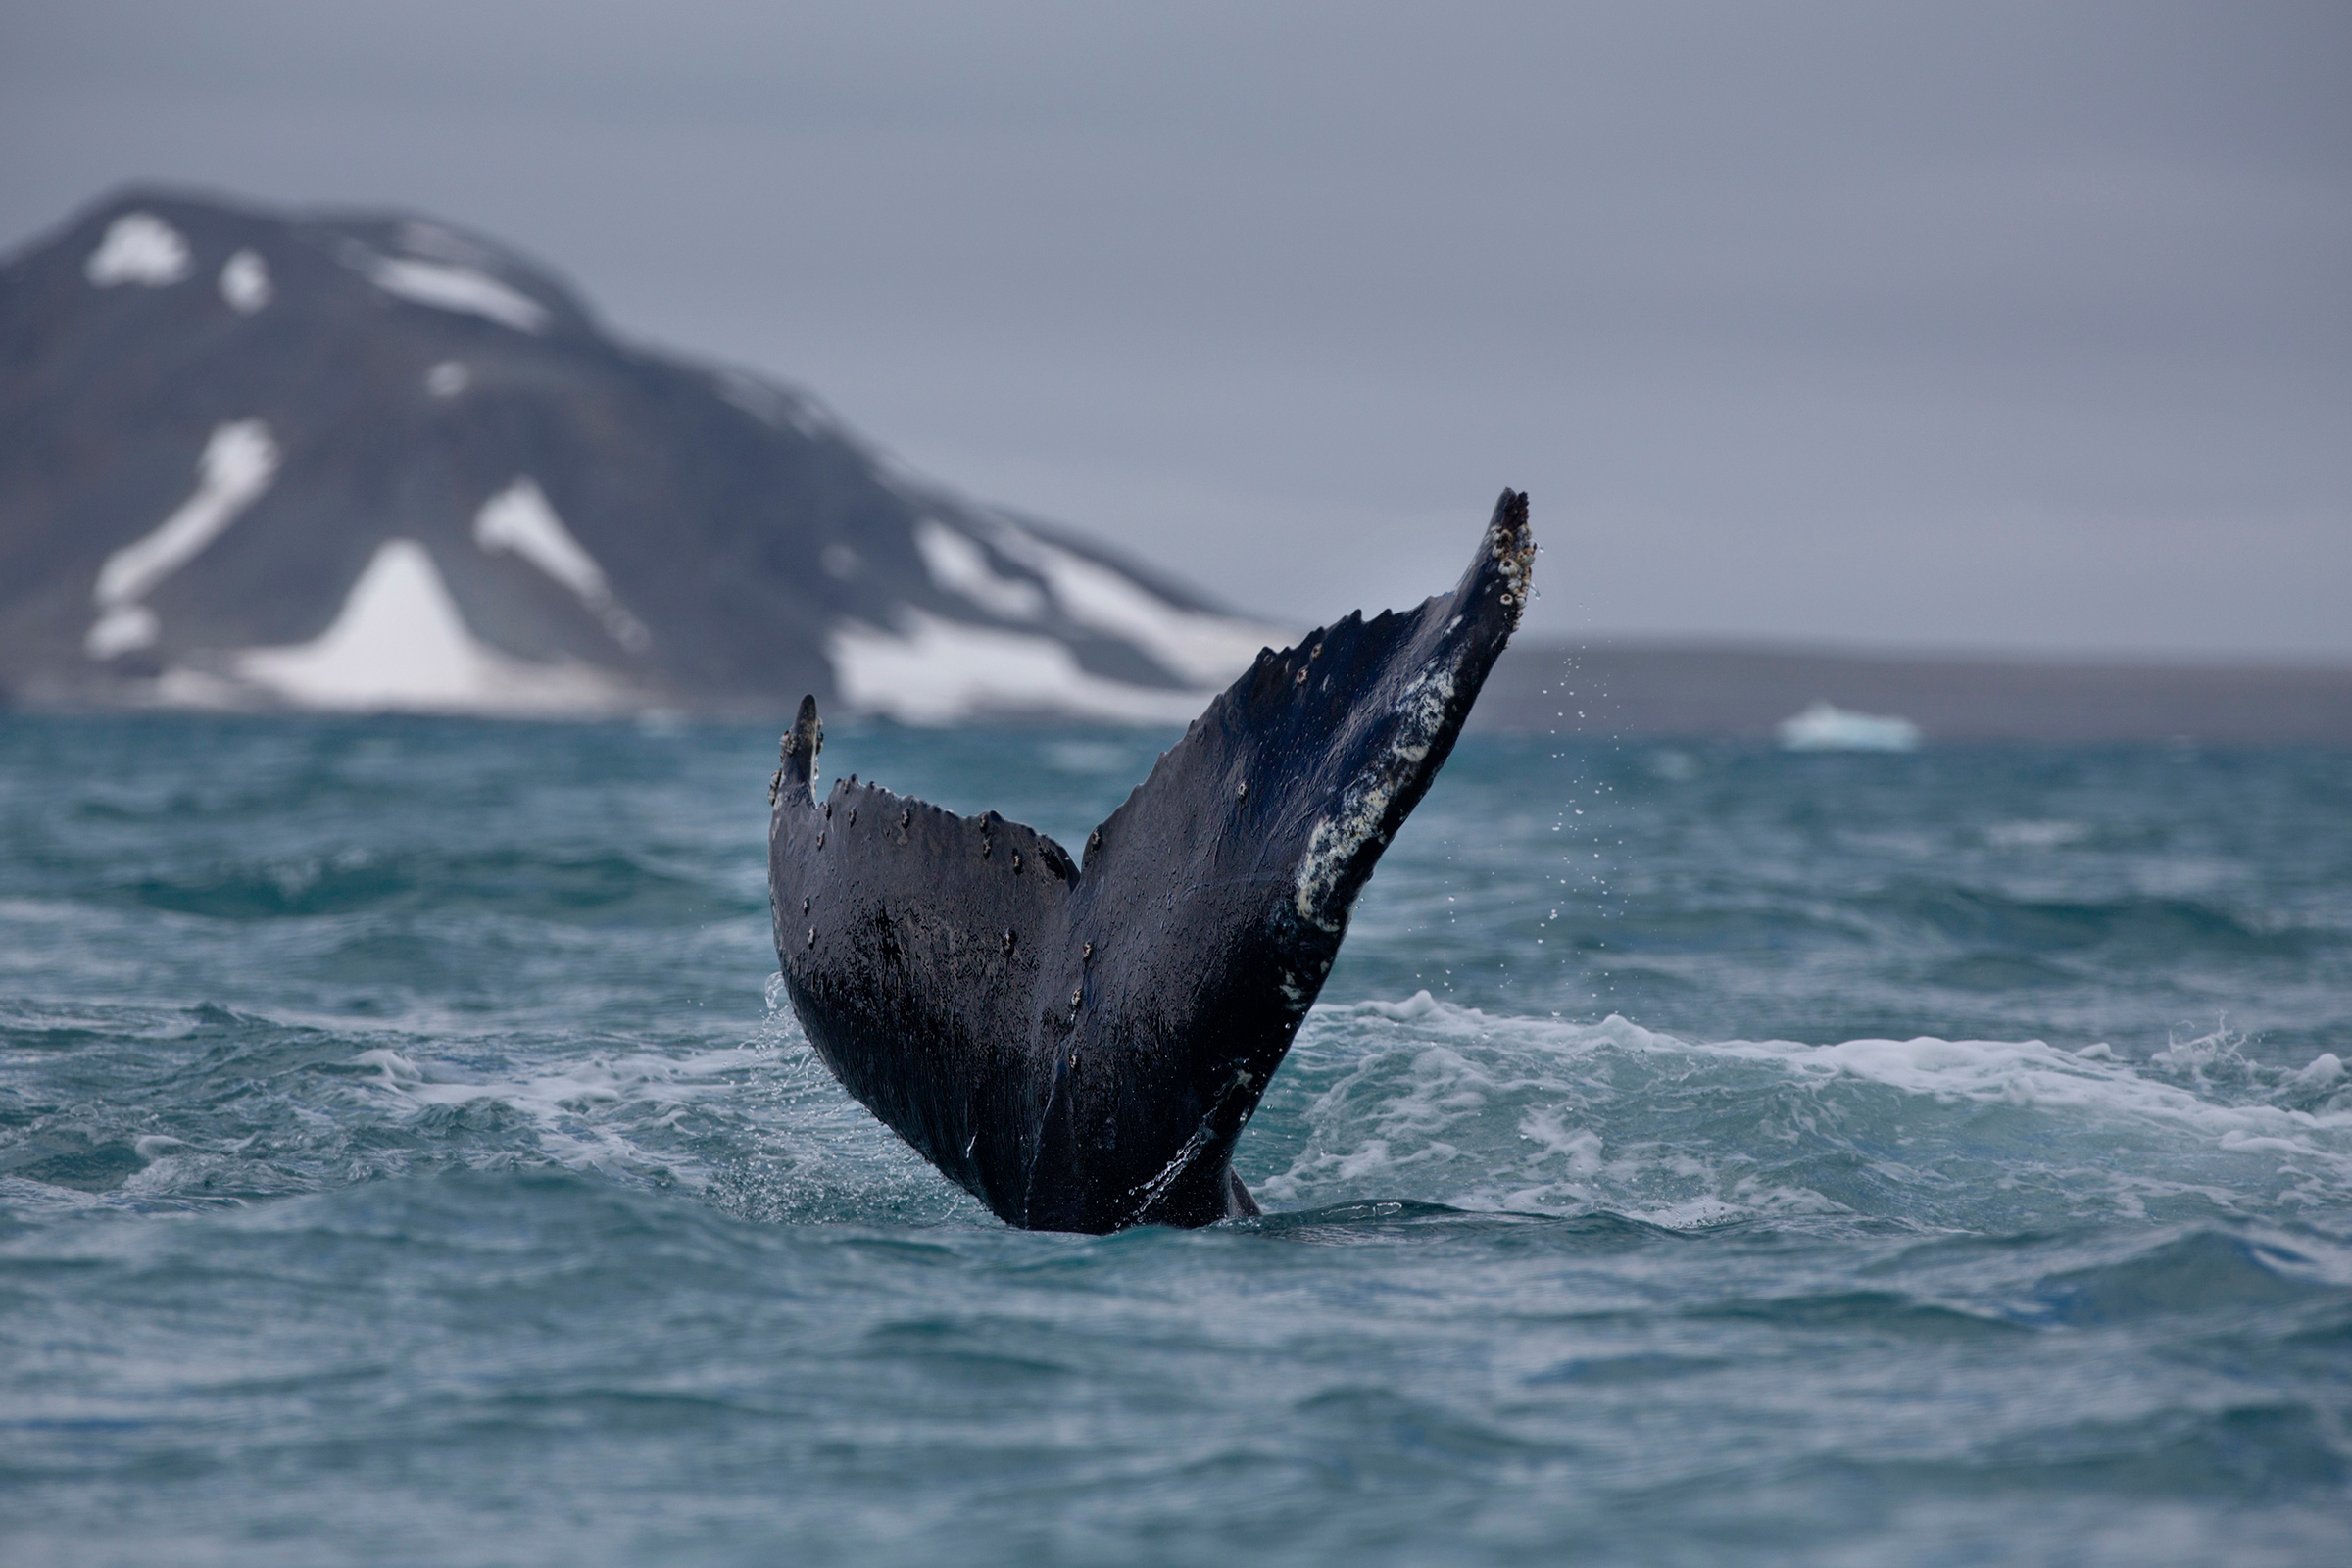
x=959, y=565
x=933, y=671
x=1204, y=648
x=401, y=644
x=238, y=464
x=139, y=248
x=937, y=671
x=518, y=518
x=448, y=286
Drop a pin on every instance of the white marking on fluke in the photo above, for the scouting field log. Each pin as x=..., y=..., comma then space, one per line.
x=1420, y=712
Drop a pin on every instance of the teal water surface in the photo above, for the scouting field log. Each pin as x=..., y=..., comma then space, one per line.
x=1699, y=1154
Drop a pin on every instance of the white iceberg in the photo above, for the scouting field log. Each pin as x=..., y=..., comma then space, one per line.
x=1822, y=727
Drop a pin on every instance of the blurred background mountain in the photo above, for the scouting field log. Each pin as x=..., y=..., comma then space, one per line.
x=1986, y=367
x=369, y=462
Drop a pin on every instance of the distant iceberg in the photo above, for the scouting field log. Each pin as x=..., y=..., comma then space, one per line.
x=1823, y=728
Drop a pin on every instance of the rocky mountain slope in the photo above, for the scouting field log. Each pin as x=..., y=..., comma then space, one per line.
x=253, y=459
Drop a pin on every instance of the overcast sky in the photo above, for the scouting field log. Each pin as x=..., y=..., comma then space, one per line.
x=2005, y=327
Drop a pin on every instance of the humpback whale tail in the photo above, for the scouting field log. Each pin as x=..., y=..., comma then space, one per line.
x=1079, y=1043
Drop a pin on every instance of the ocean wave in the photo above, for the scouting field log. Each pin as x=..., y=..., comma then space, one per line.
x=594, y=887
x=1416, y=1100
x=1452, y=1104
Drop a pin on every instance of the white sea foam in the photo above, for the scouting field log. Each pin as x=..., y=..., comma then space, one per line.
x=2034, y=835
x=587, y=1110
x=447, y=286
x=401, y=643
x=937, y=671
x=139, y=248
x=245, y=282
x=786, y=1142
x=1438, y=1102
x=448, y=378
x=518, y=518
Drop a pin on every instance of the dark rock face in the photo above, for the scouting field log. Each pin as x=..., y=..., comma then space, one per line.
x=1080, y=1046
x=369, y=460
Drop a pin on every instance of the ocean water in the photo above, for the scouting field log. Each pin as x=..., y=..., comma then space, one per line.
x=1700, y=1154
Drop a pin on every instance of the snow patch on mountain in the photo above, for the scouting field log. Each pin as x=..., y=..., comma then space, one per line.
x=768, y=549
x=448, y=286
x=237, y=466
x=139, y=248
x=245, y=282
x=121, y=629
x=1207, y=650
x=520, y=519
x=937, y=671
x=399, y=643
x=958, y=565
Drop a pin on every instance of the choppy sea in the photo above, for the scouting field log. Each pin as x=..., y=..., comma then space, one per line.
x=1700, y=1154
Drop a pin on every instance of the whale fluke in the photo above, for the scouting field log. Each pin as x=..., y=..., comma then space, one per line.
x=1079, y=1046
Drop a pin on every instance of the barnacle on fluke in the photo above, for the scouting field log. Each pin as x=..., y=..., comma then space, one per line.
x=1081, y=1049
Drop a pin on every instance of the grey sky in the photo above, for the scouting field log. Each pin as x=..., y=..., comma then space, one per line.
x=2018, y=327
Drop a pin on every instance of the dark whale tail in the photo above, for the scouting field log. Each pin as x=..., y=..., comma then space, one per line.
x=1080, y=1047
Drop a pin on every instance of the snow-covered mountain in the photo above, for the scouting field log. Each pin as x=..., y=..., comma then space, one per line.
x=251, y=458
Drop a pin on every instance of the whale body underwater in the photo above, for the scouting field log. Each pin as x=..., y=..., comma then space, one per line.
x=1080, y=1044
